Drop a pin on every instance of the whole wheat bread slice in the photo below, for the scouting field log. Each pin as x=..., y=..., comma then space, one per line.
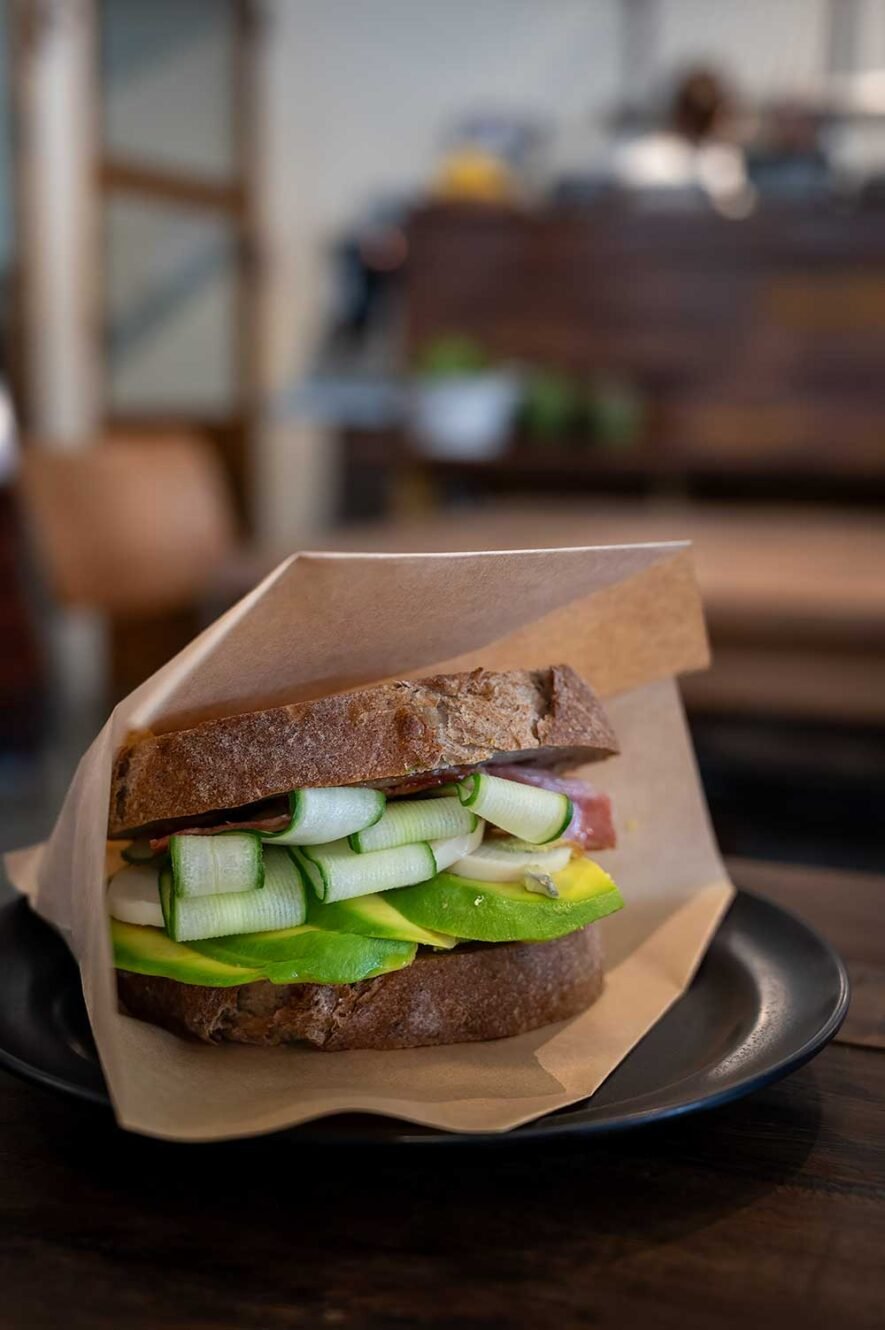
x=549, y=717
x=473, y=993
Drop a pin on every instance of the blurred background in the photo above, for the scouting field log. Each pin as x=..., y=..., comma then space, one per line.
x=378, y=274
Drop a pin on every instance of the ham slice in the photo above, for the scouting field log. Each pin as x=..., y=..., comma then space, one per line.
x=592, y=827
x=276, y=822
x=417, y=784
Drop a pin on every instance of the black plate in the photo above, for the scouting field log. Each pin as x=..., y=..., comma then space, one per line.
x=769, y=995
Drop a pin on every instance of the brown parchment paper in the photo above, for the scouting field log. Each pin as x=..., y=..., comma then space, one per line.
x=626, y=617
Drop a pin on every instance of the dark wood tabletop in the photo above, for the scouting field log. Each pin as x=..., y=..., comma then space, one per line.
x=766, y=1211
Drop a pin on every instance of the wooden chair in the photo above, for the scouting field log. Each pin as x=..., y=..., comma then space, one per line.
x=140, y=529
x=132, y=526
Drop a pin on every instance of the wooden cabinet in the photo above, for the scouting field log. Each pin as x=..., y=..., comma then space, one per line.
x=759, y=344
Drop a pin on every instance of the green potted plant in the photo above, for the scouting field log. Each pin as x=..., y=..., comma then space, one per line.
x=553, y=408
x=462, y=405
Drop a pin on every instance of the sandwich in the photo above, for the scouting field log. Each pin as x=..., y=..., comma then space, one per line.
x=402, y=865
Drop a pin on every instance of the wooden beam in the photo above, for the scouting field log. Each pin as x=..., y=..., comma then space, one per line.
x=53, y=70
x=187, y=190
x=250, y=349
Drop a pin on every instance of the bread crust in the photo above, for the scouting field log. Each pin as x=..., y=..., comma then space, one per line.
x=476, y=992
x=549, y=717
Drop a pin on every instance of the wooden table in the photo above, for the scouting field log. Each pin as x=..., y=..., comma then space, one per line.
x=794, y=596
x=760, y=1214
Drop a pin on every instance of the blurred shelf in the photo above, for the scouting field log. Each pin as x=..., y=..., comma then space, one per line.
x=392, y=448
x=584, y=458
x=726, y=466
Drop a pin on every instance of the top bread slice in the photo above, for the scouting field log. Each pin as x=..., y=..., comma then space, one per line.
x=548, y=717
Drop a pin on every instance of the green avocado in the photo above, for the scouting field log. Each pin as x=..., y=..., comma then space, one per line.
x=310, y=955
x=505, y=911
x=144, y=950
x=373, y=916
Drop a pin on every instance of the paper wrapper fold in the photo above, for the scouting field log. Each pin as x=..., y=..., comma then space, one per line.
x=628, y=618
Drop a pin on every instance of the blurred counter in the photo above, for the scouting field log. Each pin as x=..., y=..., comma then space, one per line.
x=795, y=597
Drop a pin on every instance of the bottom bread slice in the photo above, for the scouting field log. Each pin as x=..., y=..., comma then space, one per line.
x=475, y=992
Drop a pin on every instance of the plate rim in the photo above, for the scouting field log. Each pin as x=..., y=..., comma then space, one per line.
x=551, y=1127
x=555, y=1126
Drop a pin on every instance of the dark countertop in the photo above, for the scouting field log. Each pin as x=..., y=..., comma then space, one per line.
x=766, y=1210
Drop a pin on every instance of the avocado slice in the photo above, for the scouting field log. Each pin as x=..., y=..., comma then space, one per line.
x=373, y=916
x=310, y=955
x=144, y=950
x=505, y=911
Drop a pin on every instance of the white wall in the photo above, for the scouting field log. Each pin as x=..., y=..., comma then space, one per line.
x=371, y=86
x=872, y=34
x=767, y=46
